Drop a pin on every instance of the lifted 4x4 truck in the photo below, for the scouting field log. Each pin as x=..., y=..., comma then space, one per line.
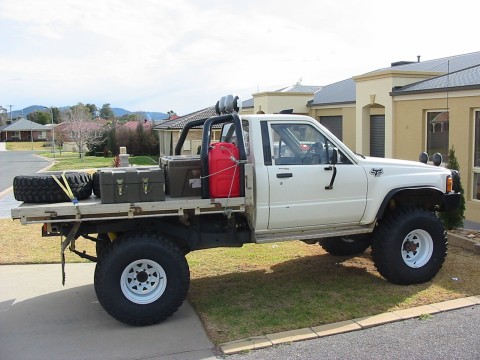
x=271, y=178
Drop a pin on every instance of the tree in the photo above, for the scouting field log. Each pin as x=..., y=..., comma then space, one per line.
x=93, y=110
x=56, y=115
x=3, y=116
x=106, y=112
x=80, y=129
x=454, y=219
x=40, y=117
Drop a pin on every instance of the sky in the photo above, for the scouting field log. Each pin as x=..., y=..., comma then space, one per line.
x=183, y=55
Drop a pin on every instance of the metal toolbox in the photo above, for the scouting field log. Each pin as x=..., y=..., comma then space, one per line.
x=130, y=185
x=182, y=173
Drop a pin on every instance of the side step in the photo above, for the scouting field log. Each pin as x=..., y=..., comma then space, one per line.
x=312, y=234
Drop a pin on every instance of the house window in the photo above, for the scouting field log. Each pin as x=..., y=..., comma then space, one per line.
x=437, y=133
x=476, y=157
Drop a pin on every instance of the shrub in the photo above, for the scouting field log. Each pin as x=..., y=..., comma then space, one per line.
x=454, y=219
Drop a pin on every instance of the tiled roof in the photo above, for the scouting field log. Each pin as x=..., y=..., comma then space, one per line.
x=181, y=121
x=446, y=64
x=339, y=92
x=133, y=124
x=247, y=103
x=298, y=88
x=25, y=125
x=468, y=78
x=463, y=73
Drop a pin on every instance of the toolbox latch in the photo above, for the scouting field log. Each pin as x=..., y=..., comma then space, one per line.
x=120, y=187
x=146, y=188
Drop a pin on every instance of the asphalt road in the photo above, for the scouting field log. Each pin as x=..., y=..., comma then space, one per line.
x=13, y=163
x=449, y=335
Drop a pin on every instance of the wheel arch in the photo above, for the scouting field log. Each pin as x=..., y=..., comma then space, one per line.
x=427, y=197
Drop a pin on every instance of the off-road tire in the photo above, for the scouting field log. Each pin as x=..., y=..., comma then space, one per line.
x=96, y=184
x=409, y=246
x=102, y=244
x=346, y=245
x=44, y=189
x=124, y=273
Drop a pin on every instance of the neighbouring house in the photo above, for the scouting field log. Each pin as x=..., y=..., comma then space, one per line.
x=294, y=98
x=169, y=132
x=24, y=130
x=132, y=125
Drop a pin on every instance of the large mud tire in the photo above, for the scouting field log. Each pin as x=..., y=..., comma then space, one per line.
x=346, y=245
x=96, y=184
x=44, y=189
x=409, y=246
x=141, y=279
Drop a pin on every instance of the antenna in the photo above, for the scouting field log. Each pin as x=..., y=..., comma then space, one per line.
x=448, y=85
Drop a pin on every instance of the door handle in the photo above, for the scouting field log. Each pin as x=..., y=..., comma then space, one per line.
x=284, y=175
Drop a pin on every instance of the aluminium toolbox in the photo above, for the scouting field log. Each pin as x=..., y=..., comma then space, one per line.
x=130, y=185
x=182, y=175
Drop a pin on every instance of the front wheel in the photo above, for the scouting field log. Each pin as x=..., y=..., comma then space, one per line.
x=409, y=246
x=141, y=279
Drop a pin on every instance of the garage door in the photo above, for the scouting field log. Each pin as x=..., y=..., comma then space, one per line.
x=334, y=124
x=377, y=135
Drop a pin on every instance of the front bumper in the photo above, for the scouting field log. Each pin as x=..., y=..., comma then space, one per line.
x=451, y=201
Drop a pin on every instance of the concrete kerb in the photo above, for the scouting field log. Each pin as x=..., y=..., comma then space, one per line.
x=259, y=342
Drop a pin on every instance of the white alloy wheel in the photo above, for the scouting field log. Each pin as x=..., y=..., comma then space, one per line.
x=417, y=248
x=143, y=281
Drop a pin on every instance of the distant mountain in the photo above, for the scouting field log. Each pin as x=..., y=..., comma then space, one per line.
x=27, y=110
x=150, y=115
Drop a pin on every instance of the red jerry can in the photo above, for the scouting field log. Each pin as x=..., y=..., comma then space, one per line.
x=224, y=172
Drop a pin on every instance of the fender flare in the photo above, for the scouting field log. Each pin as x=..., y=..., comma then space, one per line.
x=436, y=197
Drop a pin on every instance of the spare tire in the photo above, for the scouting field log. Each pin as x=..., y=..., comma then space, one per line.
x=96, y=184
x=44, y=189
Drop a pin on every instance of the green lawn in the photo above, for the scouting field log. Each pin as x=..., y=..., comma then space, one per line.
x=72, y=161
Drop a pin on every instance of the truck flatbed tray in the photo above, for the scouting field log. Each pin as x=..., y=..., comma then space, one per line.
x=93, y=210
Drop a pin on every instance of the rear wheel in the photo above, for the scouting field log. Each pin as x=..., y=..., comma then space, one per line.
x=409, y=246
x=346, y=245
x=141, y=279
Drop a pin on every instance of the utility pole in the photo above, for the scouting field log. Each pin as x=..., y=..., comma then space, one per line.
x=10, y=113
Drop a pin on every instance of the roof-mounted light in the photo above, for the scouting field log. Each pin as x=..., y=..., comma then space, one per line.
x=228, y=104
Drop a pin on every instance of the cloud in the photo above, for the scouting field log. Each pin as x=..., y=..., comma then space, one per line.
x=184, y=54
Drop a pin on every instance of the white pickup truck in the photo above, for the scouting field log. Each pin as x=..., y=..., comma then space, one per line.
x=292, y=179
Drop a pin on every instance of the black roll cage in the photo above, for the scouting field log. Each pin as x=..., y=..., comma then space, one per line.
x=207, y=124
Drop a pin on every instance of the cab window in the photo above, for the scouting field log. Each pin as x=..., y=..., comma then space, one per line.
x=302, y=144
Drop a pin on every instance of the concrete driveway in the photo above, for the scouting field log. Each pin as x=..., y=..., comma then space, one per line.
x=41, y=319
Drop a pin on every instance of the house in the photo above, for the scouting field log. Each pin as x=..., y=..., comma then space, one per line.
x=169, y=132
x=24, y=130
x=410, y=107
x=132, y=125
